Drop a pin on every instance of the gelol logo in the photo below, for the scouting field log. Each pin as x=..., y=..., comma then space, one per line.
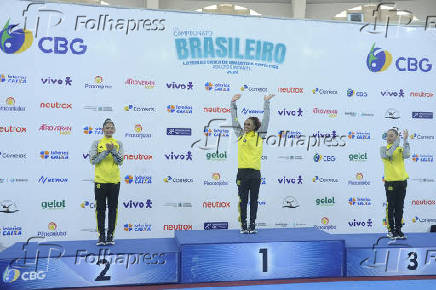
x=98, y=84
x=179, y=131
x=324, y=180
x=87, y=204
x=174, y=85
x=416, y=136
x=137, y=204
x=358, y=157
x=325, y=201
x=57, y=81
x=56, y=155
x=290, y=202
x=290, y=180
x=323, y=158
x=60, y=129
x=170, y=179
x=14, y=41
x=359, y=201
x=422, y=115
x=351, y=93
x=332, y=113
x=216, y=226
x=399, y=94
x=10, y=106
x=140, y=83
x=355, y=135
x=217, y=156
x=378, y=60
x=291, y=112
x=357, y=223
x=138, y=133
x=137, y=227
x=179, y=109
x=392, y=113
x=360, y=180
x=181, y=156
x=290, y=90
x=427, y=158
x=137, y=179
x=10, y=231
x=11, y=275
x=8, y=206
x=13, y=79
x=89, y=130
x=133, y=108
x=319, y=91
x=253, y=89
x=53, y=204
x=56, y=105
x=217, y=87
x=216, y=180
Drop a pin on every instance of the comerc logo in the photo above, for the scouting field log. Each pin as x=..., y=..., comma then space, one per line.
x=7, y=155
x=133, y=108
x=170, y=179
x=217, y=87
x=318, y=91
x=253, y=89
x=423, y=220
x=14, y=41
x=379, y=60
x=324, y=180
x=416, y=136
x=10, y=106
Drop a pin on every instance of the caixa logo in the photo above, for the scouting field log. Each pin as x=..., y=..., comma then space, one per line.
x=379, y=60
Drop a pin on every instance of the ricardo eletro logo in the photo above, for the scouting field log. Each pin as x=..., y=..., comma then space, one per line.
x=14, y=41
x=378, y=60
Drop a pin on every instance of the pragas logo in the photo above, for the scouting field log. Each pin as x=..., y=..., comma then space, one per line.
x=14, y=41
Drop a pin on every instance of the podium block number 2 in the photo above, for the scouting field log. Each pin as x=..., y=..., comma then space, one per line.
x=264, y=253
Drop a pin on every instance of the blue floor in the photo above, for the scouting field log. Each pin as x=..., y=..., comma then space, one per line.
x=342, y=285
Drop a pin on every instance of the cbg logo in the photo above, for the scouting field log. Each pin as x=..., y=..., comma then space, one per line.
x=14, y=42
x=379, y=60
x=318, y=158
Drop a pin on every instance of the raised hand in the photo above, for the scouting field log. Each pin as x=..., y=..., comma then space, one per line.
x=236, y=97
x=268, y=97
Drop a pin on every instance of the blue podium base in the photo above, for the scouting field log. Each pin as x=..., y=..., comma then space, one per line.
x=376, y=255
x=270, y=254
x=81, y=263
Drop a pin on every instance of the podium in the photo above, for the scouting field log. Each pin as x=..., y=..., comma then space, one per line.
x=220, y=255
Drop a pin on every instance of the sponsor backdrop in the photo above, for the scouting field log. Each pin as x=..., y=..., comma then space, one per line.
x=166, y=79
